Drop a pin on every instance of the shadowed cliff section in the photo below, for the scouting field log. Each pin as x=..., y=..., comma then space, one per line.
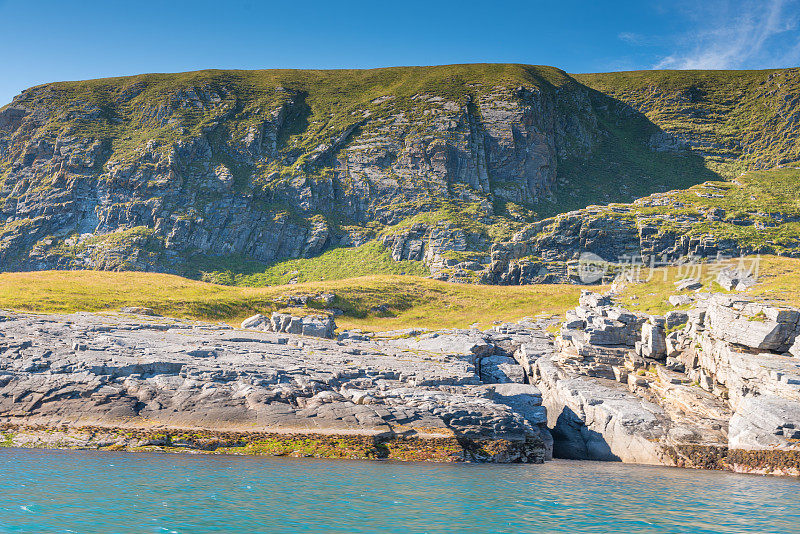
x=736, y=120
x=165, y=172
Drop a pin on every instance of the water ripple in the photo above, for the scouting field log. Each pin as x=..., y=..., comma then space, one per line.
x=100, y=492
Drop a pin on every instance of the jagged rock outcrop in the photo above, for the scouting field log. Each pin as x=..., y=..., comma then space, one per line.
x=307, y=325
x=551, y=250
x=720, y=391
x=596, y=421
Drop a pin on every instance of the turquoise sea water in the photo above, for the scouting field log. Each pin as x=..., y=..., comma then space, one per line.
x=80, y=491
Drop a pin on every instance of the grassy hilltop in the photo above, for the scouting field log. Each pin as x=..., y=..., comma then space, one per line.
x=128, y=110
x=274, y=176
x=737, y=120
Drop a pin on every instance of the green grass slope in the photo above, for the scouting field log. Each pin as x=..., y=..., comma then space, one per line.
x=736, y=120
x=336, y=264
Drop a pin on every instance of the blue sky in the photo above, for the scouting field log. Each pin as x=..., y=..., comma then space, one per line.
x=43, y=40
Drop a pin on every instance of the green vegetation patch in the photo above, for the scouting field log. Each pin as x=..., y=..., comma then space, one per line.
x=335, y=264
x=736, y=120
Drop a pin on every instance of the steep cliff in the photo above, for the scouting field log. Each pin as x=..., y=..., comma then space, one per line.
x=200, y=171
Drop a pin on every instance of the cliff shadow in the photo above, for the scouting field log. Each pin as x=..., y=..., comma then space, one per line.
x=573, y=440
x=295, y=123
x=631, y=157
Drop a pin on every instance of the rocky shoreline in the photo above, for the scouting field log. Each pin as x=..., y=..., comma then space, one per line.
x=129, y=374
x=715, y=386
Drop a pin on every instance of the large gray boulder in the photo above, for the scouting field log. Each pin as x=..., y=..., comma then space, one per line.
x=754, y=325
x=597, y=322
x=675, y=318
x=765, y=423
x=734, y=278
x=309, y=325
x=688, y=284
x=318, y=326
x=654, y=339
x=255, y=321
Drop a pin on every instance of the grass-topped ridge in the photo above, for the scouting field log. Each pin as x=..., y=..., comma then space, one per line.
x=128, y=110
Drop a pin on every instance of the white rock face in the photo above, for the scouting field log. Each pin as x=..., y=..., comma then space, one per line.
x=766, y=422
x=750, y=324
x=794, y=350
x=720, y=384
x=591, y=421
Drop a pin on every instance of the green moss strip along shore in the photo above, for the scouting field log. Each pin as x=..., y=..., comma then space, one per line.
x=354, y=447
x=766, y=462
x=295, y=445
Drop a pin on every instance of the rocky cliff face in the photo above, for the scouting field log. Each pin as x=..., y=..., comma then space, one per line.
x=147, y=171
x=154, y=172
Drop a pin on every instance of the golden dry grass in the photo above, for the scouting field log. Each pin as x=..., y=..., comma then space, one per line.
x=778, y=280
x=409, y=300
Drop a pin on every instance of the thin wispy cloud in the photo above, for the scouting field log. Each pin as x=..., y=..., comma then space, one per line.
x=738, y=34
x=630, y=37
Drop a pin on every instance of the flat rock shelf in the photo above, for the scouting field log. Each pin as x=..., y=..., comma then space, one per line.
x=134, y=382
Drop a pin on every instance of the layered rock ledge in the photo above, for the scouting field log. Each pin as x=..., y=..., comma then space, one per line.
x=717, y=386
x=130, y=381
